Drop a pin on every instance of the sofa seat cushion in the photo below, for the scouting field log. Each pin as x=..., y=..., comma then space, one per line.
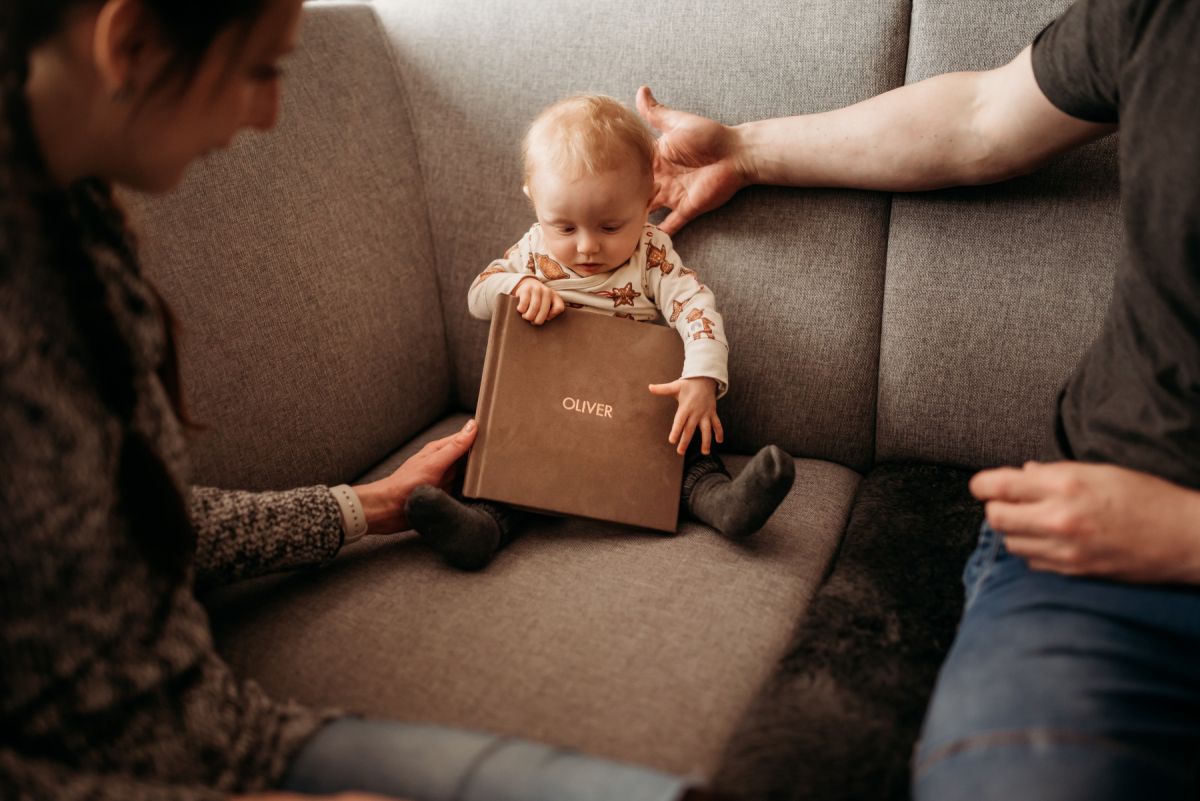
x=622, y=643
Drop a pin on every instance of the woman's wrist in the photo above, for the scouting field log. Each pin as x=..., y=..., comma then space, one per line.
x=382, y=513
x=354, y=523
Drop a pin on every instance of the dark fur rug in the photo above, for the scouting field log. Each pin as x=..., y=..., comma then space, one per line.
x=841, y=715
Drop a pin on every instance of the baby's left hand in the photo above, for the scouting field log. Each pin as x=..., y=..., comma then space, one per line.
x=697, y=408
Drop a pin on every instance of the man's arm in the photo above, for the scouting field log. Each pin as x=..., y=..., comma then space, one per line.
x=953, y=129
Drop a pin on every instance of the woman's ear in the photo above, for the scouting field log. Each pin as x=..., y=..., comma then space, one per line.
x=125, y=46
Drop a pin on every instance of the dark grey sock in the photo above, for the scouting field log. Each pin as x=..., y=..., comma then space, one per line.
x=741, y=506
x=466, y=536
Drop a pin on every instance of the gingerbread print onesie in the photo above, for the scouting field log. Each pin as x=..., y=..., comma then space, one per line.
x=652, y=285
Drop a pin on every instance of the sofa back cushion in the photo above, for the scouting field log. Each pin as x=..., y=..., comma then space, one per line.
x=300, y=266
x=992, y=293
x=798, y=274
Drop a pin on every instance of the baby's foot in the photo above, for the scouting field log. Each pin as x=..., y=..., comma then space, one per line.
x=466, y=537
x=741, y=506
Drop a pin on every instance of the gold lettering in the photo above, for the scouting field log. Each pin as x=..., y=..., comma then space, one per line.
x=587, y=407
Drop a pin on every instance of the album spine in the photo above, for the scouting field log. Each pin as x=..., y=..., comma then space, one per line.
x=486, y=406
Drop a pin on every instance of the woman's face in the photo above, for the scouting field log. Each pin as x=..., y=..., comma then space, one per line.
x=236, y=86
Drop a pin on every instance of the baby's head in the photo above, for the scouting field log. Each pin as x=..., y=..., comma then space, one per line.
x=589, y=172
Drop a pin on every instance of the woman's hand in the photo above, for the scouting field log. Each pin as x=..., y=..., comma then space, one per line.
x=696, y=166
x=697, y=409
x=1095, y=520
x=435, y=464
x=537, y=302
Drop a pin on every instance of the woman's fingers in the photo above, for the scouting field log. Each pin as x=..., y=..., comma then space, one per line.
x=448, y=449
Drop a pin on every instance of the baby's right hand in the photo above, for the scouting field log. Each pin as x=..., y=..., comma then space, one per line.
x=537, y=302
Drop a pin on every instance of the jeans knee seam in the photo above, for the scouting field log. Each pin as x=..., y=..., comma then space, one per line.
x=1024, y=738
x=986, y=571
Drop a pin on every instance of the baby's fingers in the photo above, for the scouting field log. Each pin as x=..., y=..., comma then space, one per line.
x=705, y=436
x=718, y=429
x=677, y=426
x=557, y=306
x=547, y=305
x=689, y=428
x=535, y=304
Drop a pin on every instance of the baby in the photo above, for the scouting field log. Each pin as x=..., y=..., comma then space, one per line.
x=589, y=175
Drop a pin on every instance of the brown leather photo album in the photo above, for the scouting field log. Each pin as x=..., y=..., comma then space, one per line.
x=566, y=422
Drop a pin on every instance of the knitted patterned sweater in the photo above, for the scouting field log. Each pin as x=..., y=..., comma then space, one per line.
x=109, y=684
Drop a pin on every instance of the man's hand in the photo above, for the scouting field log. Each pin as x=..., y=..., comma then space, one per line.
x=697, y=409
x=436, y=464
x=695, y=166
x=1095, y=520
x=537, y=302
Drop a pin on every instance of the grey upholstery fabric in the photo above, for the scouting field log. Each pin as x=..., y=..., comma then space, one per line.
x=622, y=643
x=992, y=293
x=804, y=351
x=300, y=266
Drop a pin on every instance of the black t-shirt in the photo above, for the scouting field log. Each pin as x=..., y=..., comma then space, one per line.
x=1134, y=400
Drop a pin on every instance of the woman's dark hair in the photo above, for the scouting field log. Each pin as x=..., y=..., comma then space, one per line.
x=59, y=227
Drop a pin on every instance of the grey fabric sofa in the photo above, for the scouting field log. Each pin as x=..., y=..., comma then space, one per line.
x=320, y=277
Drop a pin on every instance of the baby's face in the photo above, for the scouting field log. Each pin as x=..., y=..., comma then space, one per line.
x=591, y=223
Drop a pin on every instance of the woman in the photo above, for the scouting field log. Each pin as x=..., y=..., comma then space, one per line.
x=111, y=687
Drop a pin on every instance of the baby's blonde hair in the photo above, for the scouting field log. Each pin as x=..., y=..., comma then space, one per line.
x=588, y=135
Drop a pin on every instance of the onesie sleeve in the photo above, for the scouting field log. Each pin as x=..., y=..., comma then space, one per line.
x=690, y=307
x=502, y=276
x=244, y=534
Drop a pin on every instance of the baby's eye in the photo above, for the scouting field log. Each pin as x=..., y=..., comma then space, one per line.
x=566, y=229
x=612, y=229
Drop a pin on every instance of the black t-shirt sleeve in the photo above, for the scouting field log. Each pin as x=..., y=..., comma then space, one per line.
x=1077, y=59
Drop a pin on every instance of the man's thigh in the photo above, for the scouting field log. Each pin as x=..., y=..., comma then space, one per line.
x=1064, y=688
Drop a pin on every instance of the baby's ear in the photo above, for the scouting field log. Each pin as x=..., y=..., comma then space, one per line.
x=525, y=189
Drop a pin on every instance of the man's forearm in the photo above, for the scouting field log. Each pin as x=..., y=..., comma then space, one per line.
x=953, y=129
x=912, y=138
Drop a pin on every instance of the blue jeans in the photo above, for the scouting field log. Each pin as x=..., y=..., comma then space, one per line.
x=1064, y=688
x=434, y=763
